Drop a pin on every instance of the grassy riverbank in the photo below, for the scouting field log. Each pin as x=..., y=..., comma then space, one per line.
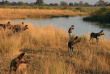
x=81, y=9
x=6, y=13
x=46, y=46
x=18, y=12
x=102, y=15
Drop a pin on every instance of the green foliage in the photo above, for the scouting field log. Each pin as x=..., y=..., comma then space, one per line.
x=40, y=2
x=101, y=15
x=53, y=4
x=70, y=4
x=20, y=3
x=63, y=3
x=82, y=4
x=101, y=3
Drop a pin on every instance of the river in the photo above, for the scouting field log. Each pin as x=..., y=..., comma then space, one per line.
x=81, y=27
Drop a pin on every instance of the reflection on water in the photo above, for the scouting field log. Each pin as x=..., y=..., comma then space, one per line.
x=81, y=27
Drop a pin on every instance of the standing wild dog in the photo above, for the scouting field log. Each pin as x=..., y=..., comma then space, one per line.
x=70, y=30
x=15, y=63
x=96, y=35
x=71, y=43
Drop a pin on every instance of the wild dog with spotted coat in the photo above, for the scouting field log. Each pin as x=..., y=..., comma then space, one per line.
x=96, y=35
x=15, y=63
x=71, y=43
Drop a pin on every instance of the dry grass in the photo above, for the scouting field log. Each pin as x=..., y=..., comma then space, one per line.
x=47, y=52
x=34, y=13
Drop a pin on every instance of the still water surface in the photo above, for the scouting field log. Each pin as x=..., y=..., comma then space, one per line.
x=81, y=27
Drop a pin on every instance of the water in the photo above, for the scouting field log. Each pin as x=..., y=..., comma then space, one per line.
x=81, y=27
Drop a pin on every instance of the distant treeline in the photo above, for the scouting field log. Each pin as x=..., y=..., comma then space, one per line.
x=102, y=15
x=62, y=3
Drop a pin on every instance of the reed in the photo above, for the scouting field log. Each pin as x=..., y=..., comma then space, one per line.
x=35, y=13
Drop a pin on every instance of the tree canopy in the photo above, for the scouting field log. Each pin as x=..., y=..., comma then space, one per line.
x=40, y=2
x=62, y=3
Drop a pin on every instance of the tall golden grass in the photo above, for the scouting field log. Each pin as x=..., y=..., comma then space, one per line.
x=46, y=49
x=34, y=13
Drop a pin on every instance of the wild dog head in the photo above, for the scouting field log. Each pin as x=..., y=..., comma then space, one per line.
x=21, y=56
x=101, y=32
x=25, y=28
x=15, y=63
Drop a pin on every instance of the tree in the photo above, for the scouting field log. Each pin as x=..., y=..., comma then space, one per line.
x=86, y=4
x=101, y=3
x=81, y=3
x=53, y=4
x=20, y=3
x=56, y=4
x=6, y=3
x=13, y=3
x=32, y=4
x=63, y=3
x=40, y=2
x=108, y=4
x=70, y=4
x=76, y=4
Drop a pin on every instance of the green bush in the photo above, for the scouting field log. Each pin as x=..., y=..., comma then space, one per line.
x=101, y=15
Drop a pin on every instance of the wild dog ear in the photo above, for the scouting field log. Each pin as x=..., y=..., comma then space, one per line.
x=72, y=25
x=8, y=22
x=76, y=38
x=101, y=31
x=22, y=22
x=26, y=25
x=21, y=55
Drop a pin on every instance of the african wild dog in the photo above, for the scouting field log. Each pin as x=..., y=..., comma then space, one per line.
x=70, y=30
x=96, y=35
x=18, y=28
x=15, y=28
x=15, y=63
x=2, y=26
x=8, y=24
x=22, y=23
x=71, y=43
x=24, y=28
